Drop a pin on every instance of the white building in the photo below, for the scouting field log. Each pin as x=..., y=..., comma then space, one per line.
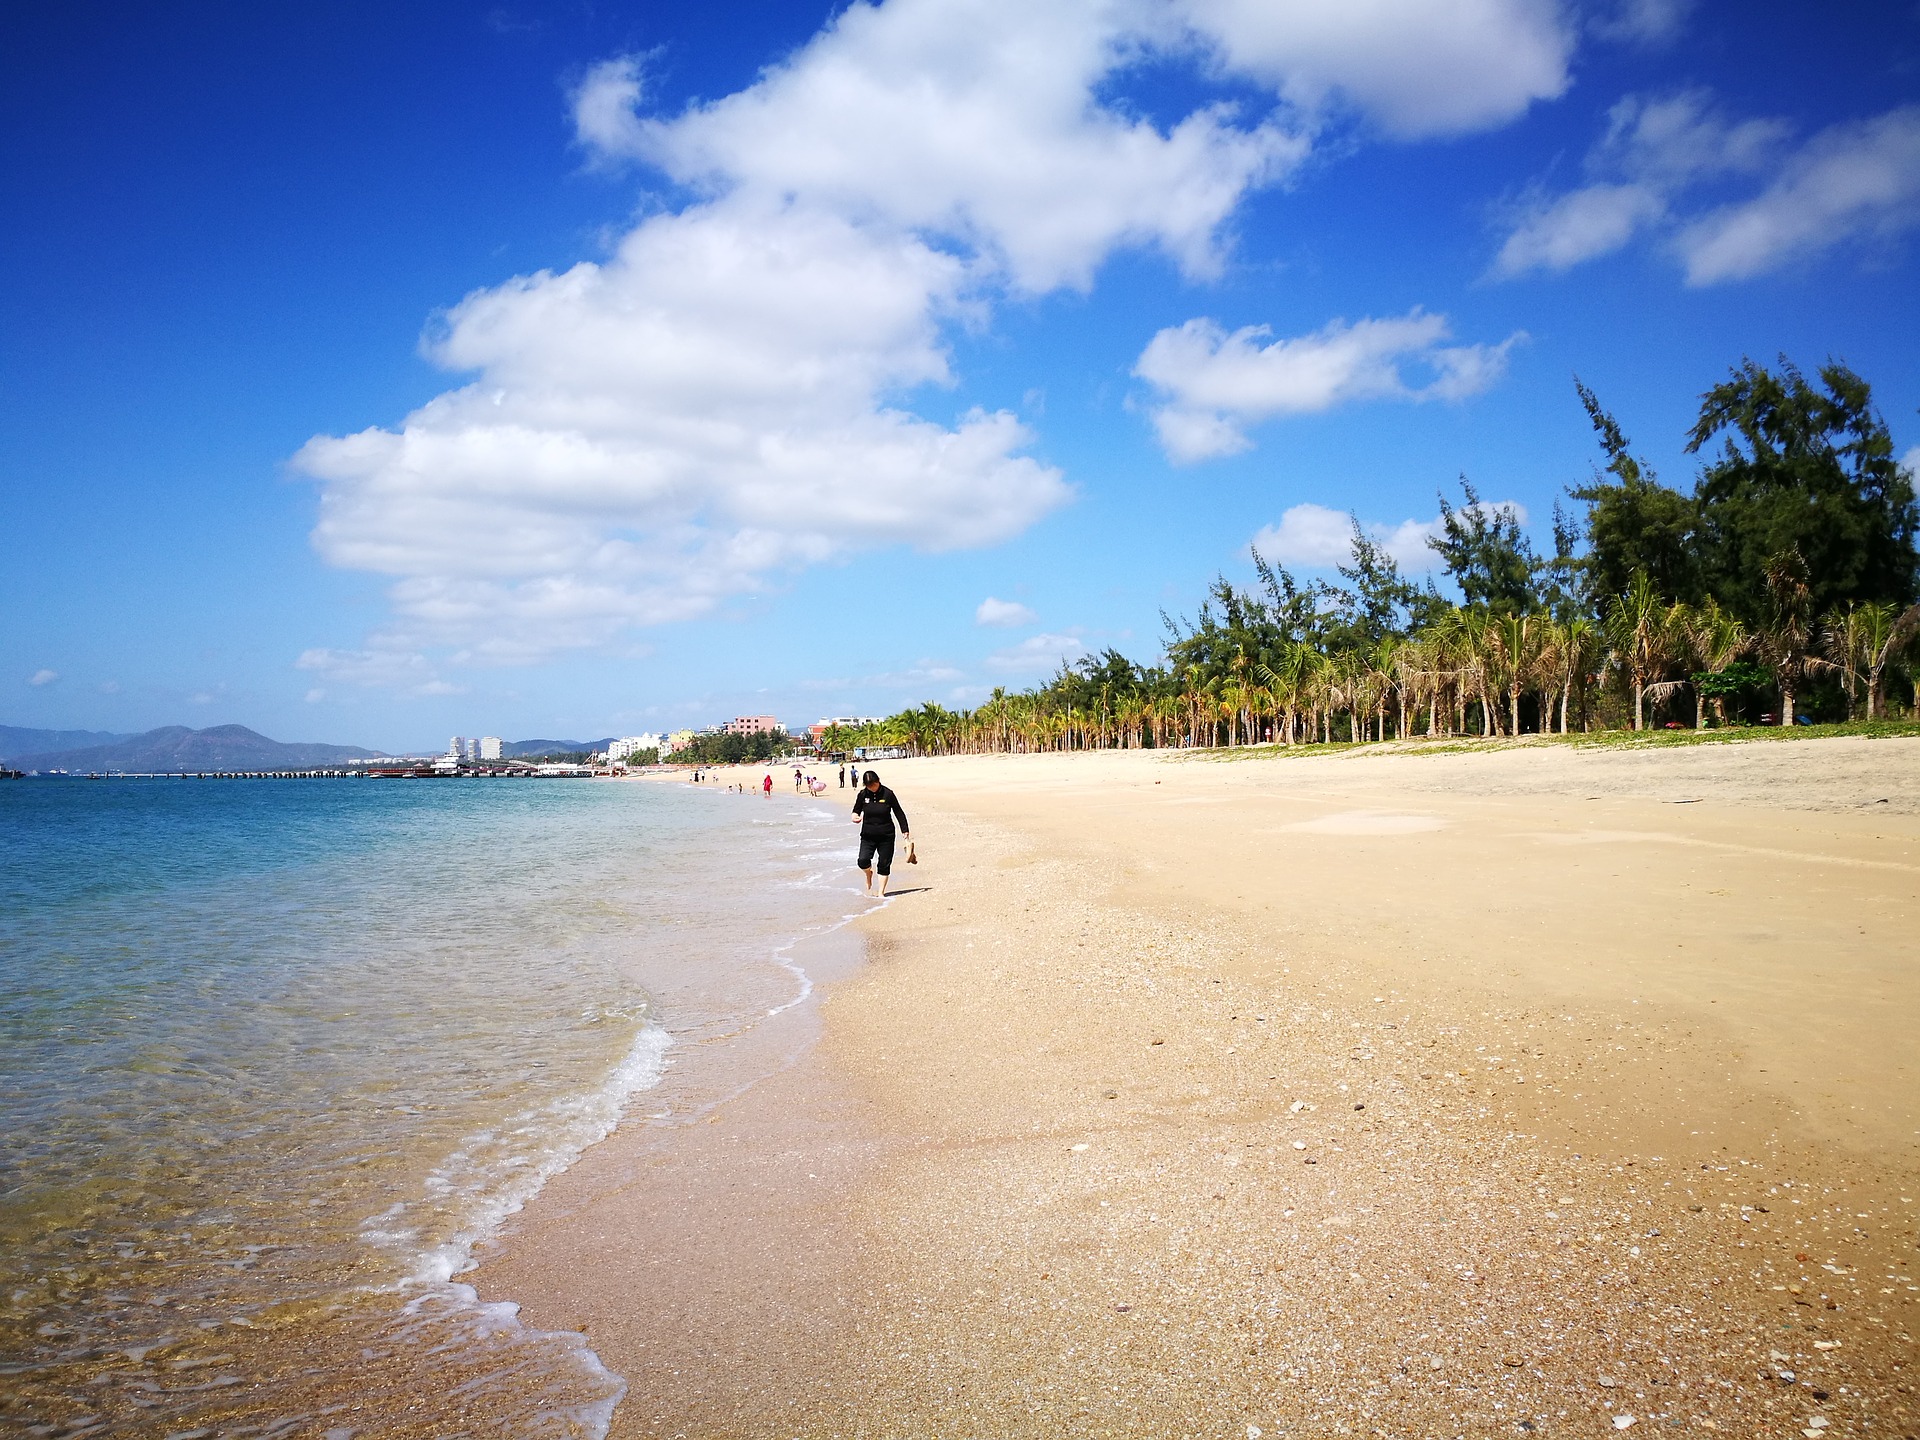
x=457, y=747
x=620, y=749
x=489, y=747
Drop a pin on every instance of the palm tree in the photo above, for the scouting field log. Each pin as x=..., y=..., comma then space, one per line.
x=1472, y=642
x=1716, y=639
x=1572, y=647
x=1863, y=639
x=1900, y=637
x=1514, y=647
x=1641, y=631
x=1785, y=640
x=1841, y=637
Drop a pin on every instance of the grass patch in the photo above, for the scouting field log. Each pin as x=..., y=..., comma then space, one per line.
x=1598, y=739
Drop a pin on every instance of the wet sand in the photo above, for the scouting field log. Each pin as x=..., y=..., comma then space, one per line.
x=1526, y=1091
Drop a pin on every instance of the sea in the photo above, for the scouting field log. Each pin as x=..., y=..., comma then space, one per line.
x=280, y=1058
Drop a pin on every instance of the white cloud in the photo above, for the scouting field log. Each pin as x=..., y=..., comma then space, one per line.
x=1910, y=462
x=1415, y=67
x=409, y=672
x=316, y=695
x=1004, y=613
x=1558, y=234
x=927, y=672
x=43, y=677
x=975, y=119
x=686, y=422
x=1645, y=22
x=604, y=105
x=1848, y=181
x=1653, y=150
x=1318, y=537
x=1217, y=383
x=728, y=397
x=1036, y=654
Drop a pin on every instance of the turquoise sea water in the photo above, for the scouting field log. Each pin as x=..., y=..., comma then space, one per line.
x=276, y=1055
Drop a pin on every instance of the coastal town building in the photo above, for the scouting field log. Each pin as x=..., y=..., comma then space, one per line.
x=750, y=725
x=489, y=747
x=678, y=740
x=619, y=750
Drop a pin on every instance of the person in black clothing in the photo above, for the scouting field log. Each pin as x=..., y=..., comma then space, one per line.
x=876, y=808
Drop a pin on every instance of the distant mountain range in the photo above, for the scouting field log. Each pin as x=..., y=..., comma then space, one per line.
x=16, y=740
x=171, y=747
x=219, y=747
x=528, y=749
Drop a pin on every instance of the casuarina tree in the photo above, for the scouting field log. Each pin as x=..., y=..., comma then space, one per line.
x=1807, y=469
x=1634, y=523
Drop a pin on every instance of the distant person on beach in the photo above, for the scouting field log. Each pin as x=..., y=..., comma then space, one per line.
x=766, y=785
x=796, y=778
x=876, y=807
x=843, y=777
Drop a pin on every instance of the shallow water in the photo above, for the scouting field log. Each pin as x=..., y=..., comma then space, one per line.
x=277, y=1055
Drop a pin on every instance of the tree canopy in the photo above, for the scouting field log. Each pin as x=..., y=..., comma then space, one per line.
x=1786, y=580
x=1634, y=523
x=1807, y=469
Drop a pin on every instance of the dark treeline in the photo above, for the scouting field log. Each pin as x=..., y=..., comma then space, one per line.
x=717, y=747
x=1781, y=588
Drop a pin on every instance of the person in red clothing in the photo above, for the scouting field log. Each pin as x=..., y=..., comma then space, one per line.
x=766, y=785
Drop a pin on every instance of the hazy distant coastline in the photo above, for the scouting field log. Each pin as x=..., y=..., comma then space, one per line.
x=218, y=747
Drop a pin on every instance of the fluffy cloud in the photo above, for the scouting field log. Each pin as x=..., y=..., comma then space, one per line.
x=1037, y=654
x=1003, y=613
x=1846, y=182
x=1414, y=67
x=43, y=677
x=1649, y=169
x=646, y=431
x=1217, y=383
x=728, y=396
x=1595, y=220
x=1319, y=537
x=1653, y=151
x=976, y=120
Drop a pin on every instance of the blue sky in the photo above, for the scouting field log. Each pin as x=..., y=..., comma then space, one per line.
x=377, y=373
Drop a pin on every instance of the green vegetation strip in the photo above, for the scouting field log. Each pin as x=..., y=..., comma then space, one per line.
x=1599, y=739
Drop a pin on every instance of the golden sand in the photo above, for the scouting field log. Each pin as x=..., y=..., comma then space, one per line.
x=1536, y=1090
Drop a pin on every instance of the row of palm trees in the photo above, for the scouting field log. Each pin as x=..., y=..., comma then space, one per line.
x=1471, y=671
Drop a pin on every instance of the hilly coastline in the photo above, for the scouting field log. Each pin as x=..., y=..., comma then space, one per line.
x=23, y=740
x=176, y=747
x=218, y=747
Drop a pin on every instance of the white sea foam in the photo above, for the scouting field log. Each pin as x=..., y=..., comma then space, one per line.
x=495, y=1172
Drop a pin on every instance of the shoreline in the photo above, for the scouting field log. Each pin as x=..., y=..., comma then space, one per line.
x=1094, y=1102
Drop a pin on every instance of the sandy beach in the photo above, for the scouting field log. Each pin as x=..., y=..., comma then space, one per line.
x=1530, y=1091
